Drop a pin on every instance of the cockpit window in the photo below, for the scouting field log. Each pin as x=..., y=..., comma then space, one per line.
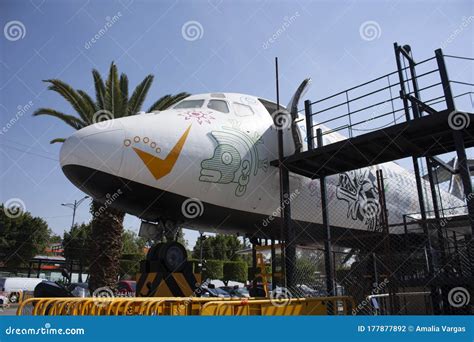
x=189, y=104
x=242, y=110
x=219, y=105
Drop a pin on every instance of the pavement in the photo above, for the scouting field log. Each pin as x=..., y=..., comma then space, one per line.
x=9, y=311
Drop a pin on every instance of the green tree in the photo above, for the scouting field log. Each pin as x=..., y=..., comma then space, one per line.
x=76, y=242
x=213, y=269
x=55, y=238
x=205, y=243
x=133, y=251
x=112, y=96
x=235, y=271
x=22, y=238
x=219, y=247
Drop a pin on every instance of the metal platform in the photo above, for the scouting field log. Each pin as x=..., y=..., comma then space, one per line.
x=399, y=115
x=422, y=137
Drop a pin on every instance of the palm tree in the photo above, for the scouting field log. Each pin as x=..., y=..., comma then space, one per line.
x=110, y=96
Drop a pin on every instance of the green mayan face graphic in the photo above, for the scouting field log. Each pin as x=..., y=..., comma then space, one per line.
x=235, y=159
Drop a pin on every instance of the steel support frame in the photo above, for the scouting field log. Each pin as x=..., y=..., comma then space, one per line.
x=388, y=260
x=406, y=52
x=287, y=232
x=328, y=255
x=459, y=145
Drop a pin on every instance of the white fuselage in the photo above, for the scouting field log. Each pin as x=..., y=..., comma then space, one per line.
x=223, y=160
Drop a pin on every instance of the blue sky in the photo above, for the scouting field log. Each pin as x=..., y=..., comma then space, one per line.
x=234, y=51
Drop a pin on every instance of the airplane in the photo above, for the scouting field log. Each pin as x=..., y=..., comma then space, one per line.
x=204, y=164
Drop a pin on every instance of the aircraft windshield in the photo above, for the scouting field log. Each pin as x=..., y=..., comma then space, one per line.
x=189, y=104
x=219, y=105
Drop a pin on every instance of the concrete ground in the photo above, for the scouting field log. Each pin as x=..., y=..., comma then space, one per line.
x=10, y=311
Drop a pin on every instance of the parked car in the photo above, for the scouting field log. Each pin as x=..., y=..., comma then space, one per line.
x=126, y=288
x=214, y=292
x=14, y=286
x=306, y=291
x=236, y=292
x=3, y=301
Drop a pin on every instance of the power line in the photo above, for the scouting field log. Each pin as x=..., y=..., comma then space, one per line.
x=14, y=142
x=28, y=152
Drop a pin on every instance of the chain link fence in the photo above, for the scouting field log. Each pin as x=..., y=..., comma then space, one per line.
x=404, y=263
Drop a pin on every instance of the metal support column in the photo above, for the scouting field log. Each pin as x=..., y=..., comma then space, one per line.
x=443, y=74
x=388, y=258
x=399, y=51
x=328, y=260
x=402, y=81
x=287, y=232
x=254, y=267
x=273, y=256
x=309, y=124
x=439, y=229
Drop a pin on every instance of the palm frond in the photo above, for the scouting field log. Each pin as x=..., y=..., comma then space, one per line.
x=124, y=91
x=139, y=94
x=159, y=104
x=113, y=98
x=70, y=95
x=99, y=89
x=167, y=101
x=90, y=104
x=57, y=140
x=66, y=118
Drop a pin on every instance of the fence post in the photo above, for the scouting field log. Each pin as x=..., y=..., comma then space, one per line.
x=328, y=257
x=309, y=124
x=443, y=73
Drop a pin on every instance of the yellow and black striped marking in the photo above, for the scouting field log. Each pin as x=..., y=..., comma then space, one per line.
x=158, y=284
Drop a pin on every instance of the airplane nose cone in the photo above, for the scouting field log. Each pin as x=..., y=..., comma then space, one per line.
x=97, y=147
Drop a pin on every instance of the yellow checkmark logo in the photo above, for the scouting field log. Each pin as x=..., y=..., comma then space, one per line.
x=161, y=167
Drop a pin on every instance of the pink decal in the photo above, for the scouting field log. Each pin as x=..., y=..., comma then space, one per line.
x=200, y=117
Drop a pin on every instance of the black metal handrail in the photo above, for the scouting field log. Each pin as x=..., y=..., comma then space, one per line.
x=393, y=101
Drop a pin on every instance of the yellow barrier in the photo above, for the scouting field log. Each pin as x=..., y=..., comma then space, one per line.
x=171, y=306
x=284, y=307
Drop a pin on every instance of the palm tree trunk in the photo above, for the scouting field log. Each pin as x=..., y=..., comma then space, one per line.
x=105, y=246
